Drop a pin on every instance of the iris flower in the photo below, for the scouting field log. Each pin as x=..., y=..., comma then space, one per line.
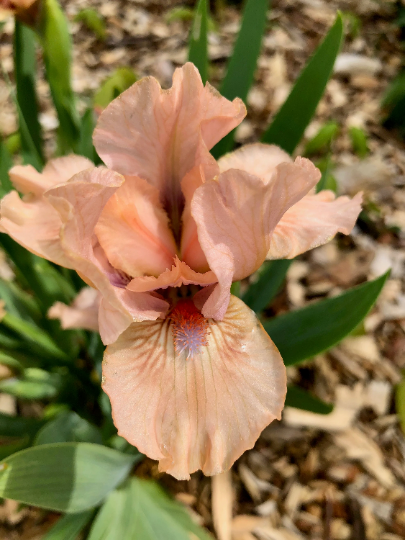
x=161, y=233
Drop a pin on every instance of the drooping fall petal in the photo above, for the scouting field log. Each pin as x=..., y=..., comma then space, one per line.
x=32, y=221
x=160, y=135
x=179, y=274
x=35, y=225
x=313, y=221
x=258, y=159
x=80, y=203
x=236, y=215
x=134, y=232
x=196, y=413
x=83, y=313
x=26, y=179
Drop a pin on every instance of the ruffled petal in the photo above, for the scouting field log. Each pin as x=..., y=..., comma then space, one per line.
x=160, y=135
x=312, y=222
x=34, y=225
x=197, y=413
x=180, y=274
x=236, y=215
x=258, y=159
x=83, y=313
x=26, y=179
x=80, y=203
x=133, y=230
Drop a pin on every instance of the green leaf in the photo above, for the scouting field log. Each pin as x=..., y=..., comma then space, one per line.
x=25, y=80
x=121, y=79
x=56, y=42
x=306, y=332
x=94, y=22
x=9, y=448
x=68, y=427
x=69, y=526
x=18, y=302
x=242, y=65
x=270, y=279
x=5, y=165
x=66, y=477
x=39, y=275
x=295, y=114
x=17, y=426
x=198, y=45
x=359, y=141
x=85, y=147
x=38, y=339
x=400, y=403
x=301, y=399
x=140, y=509
x=35, y=384
x=323, y=139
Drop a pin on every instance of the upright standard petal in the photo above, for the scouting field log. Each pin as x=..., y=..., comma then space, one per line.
x=312, y=222
x=80, y=203
x=257, y=158
x=134, y=232
x=26, y=179
x=196, y=413
x=236, y=215
x=160, y=135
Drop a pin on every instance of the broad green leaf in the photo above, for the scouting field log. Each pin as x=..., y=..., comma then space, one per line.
x=5, y=165
x=69, y=526
x=35, y=384
x=25, y=80
x=198, y=43
x=270, y=278
x=56, y=42
x=94, y=22
x=306, y=332
x=242, y=65
x=400, y=403
x=17, y=426
x=140, y=509
x=301, y=399
x=295, y=114
x=120, y=80
x=68, y=427
x=66, y=477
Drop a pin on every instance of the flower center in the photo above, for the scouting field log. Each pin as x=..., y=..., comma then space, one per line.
x=189, y=327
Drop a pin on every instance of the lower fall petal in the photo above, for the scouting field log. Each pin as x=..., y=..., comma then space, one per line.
x=201, y=412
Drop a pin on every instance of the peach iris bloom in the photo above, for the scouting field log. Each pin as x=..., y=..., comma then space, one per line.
x=162, y=233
